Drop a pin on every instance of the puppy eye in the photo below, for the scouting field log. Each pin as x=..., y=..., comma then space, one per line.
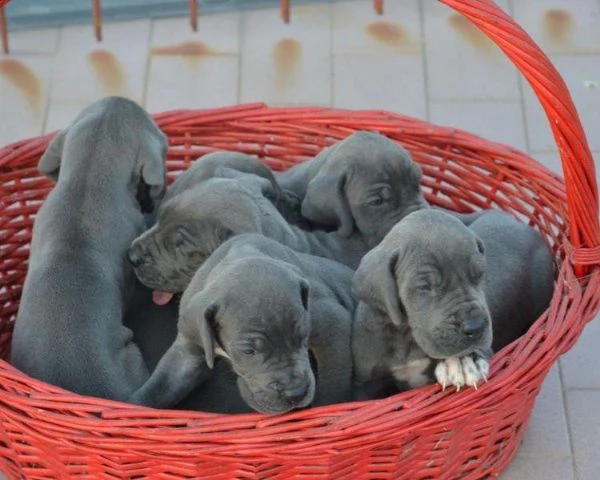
x=248, y=351
x=477, y=276
x=424, y=288
x=376, y=201
x=480, y=247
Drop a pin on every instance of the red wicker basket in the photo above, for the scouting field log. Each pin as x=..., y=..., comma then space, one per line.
x=46, y=432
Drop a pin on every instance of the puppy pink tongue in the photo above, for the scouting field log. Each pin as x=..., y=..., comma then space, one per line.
x=161, y=298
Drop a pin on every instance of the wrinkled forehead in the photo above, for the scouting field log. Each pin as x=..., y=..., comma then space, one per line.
x=442, y=257
x=203, y=200
x=384, y=161
x=245, y=319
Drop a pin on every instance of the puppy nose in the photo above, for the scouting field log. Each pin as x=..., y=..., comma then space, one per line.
x=135, y=255
x=296, y=395
x=473, y=327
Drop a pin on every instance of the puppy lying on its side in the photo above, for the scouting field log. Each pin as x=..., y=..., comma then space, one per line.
x=193, y=222
x=69, y=329
x=261, y=306
x=210, y=165
x=437, y=297
x=365, y=183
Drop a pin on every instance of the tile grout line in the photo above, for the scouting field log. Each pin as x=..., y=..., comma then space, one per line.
x=568, y=420
x=520, y=80
x=148, y=63
x=424, y=60
x=241, y=32
x=51, y=82
x=331, y=55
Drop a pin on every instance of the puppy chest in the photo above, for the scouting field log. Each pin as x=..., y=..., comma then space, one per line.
x=415, y=373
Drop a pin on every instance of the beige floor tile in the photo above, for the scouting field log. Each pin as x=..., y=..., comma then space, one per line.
x=216, y=32
x=375, y=82
x=194, y=69
x=542, y=468
x=584, y=418
x=547, y=431
x=461, y=62
x=500, y=122
x=60, y=115
x=90, y=70
x=357, y=29
x=576, y=362
x=582, y=76
x=560, y=27
x=34, y=42
x=24, y=84
x=287, y=64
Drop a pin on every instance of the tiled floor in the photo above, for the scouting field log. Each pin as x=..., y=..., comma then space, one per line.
x=419, y=59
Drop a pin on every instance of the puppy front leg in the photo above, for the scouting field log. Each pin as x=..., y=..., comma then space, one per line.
x=330, y=344
x=181, y=369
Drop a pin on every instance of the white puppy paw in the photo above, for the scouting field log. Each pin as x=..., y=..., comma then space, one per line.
x=462, y=371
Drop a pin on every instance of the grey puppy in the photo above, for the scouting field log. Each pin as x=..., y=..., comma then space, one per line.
x=438, y=296
x=154, y=331
x=262, y=306
x=69, y=329
x=365, y=183
x=194, y=222
x=212, y=165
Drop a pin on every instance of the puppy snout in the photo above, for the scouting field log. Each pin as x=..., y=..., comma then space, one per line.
x=296, y=394
x=135, y=254
x=474, y=326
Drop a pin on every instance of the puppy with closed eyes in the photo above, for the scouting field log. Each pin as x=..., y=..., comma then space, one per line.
x=437, y=297
x=263, y=307
x=69, y=329
x=366, y=183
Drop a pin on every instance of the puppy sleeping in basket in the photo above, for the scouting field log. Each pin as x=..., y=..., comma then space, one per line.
x=257, y=290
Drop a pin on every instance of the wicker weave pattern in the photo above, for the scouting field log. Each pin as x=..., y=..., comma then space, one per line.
x=46, y=432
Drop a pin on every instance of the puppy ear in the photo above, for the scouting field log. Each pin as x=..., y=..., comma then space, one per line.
x=49, y=164
x=207, y=333
x=304, y=292
x=375, y=282
x=152, y=156
x=325, y=202
x=253, y=182
x=202, y=313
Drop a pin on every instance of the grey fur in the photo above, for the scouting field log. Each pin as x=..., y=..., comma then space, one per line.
x=365, y=183
x=195, y=221
x=262, y=306
x=213, y=165
x=69, y=328
x=428, y=283
x=154, y=331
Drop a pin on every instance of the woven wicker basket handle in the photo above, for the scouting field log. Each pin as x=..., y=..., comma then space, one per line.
x=548, y=85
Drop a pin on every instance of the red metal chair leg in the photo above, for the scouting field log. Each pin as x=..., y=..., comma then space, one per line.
x=97, y=18
x=285, y=10
x=378, y=6
x=4, y=31
x=194, y=14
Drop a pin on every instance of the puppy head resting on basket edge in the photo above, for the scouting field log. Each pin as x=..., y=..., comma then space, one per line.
x=366, y=183
x=110, y=117
x=428, y=273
